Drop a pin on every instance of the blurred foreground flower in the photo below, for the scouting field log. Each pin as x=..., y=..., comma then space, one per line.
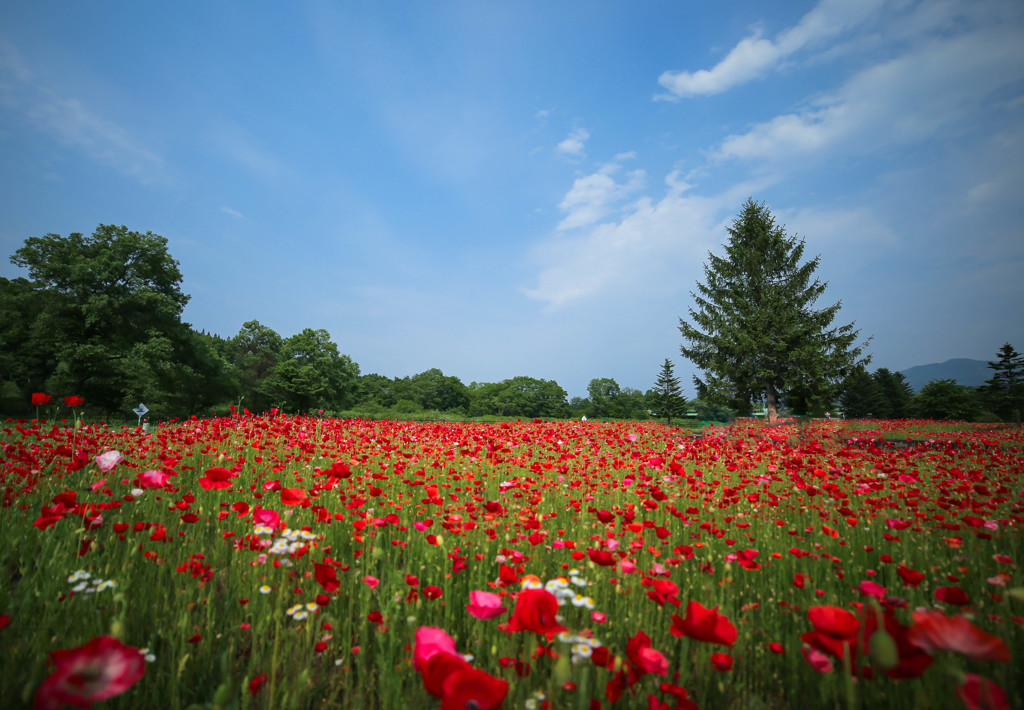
x=108, y=460
x=99, y=670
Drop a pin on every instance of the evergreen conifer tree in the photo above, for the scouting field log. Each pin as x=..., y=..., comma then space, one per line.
x=1007, y=384
x=754, y=331
x=668, y=399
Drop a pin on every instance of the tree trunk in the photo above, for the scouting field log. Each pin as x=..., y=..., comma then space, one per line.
x=771, y=405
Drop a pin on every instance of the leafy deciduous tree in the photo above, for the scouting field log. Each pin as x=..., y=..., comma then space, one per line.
x=109, y=295
x=312, y=374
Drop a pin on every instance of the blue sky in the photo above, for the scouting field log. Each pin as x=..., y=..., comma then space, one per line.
x=530, y=188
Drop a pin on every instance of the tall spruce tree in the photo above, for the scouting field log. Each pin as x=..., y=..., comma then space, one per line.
x=668, y=397
x=1007, y=384
x=754, y=332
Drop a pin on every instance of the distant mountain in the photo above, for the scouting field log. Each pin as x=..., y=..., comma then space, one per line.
x=966, y=372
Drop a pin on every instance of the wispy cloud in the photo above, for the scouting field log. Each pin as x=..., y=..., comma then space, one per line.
x=593, y=196
x=652, y=245
x=938, y=85
x=237, y=145
x=755, y=56
x=574, y=144
x=55, y=111
x=227, y=210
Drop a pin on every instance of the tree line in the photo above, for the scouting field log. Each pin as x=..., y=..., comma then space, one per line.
x=887, y=395
x=99, y=317
x=757, y=336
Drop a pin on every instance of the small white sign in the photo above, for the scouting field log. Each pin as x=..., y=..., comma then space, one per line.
x=141, y=409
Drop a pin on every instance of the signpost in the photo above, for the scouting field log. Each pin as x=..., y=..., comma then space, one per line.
x=141, y=411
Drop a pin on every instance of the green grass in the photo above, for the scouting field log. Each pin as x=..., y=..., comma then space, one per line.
x=192, y=596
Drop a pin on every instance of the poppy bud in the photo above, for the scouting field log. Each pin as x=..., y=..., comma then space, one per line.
x=221, y=697
x=882, y=650
x=117, y=629
x=1016, y=594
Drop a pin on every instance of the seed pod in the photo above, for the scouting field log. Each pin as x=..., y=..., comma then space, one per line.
x=882, y=650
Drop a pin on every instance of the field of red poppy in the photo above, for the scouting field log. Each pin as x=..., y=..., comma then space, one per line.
x=294, y=562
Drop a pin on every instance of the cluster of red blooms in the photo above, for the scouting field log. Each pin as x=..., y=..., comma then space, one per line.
x=632, y=535
x=41, y=398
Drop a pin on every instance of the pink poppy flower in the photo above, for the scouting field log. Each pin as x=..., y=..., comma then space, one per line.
x=152, y=479
x=263, y=516
x=431, y=641
x=101, y=669
x=485, y=605
x=108, y=460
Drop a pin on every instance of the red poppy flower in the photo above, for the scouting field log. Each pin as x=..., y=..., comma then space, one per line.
x=982, y=694
x=327, y=576
x=952, y=595
x=437, y=669
x=934, y=631
x=432, y=592
x=910, y=577
x=721, y=661
x=469, y=687
x=101, y=669
x=644, y=658
x=535, y=611
x=835, y=630
x=256, y=683
x=292, y=496
x=217, y=478
x=40, y=398
x=74, y=401
x=702, y=624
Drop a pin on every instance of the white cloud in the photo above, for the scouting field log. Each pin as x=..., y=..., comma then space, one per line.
x=658, y=247
x=227, y=210
x=592, y=197
x=55, y=111
x=574, y=145
x=942, y=84
x=754, y=56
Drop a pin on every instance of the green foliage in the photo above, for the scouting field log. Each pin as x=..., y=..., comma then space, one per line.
x=667, y=398
x=709, y=411
x=433, y=390
x=518, y=397
x=312, y=375
x=105, y=306
x=100, y=317
x=1005, y=391
x=859, y=395
x=754, y=331
x=604, y=395
x=945, y=399
x=255, y=351
x=894, y=395
x=881, y=395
